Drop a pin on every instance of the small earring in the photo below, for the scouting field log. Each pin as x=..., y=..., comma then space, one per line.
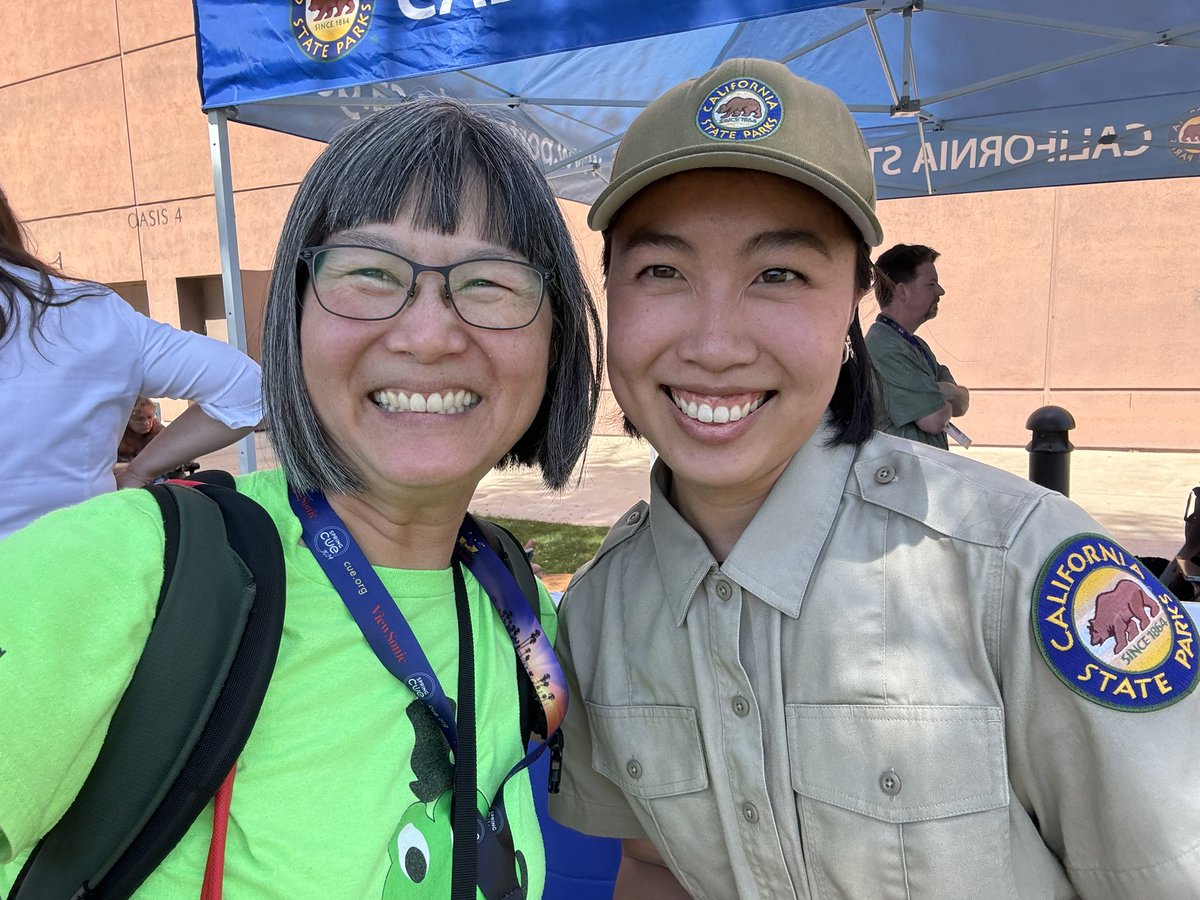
x=847, y=351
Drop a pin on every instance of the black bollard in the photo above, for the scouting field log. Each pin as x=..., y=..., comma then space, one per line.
x=1050, y=450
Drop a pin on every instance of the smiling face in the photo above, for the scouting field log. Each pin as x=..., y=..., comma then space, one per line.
x=423, y=402
x=730, y=293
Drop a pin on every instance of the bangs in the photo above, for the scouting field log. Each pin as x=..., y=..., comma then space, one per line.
x=433, y=172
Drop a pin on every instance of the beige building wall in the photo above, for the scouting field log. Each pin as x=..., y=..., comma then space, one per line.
x=1085, y=297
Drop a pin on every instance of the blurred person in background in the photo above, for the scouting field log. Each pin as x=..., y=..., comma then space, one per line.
x=143, y=427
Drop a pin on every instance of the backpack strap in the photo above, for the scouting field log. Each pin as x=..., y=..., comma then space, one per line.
x=505, y=543
x=189, y=707
x=218, y=477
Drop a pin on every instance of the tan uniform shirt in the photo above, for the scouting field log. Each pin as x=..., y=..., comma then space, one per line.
x=854, y=704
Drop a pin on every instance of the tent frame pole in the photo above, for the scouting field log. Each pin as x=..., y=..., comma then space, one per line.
x=231, y=268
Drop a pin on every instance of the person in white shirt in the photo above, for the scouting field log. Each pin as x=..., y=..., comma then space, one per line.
x=74, y=356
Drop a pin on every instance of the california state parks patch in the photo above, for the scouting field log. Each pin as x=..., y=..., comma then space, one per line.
x=1109, y=629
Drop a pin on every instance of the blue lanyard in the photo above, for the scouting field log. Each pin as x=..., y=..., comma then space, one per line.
x=891, y=323
x=371, y=604
x=391, y=638
x=388, y=632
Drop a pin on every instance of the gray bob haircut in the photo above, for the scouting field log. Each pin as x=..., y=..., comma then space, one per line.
x=422, y=158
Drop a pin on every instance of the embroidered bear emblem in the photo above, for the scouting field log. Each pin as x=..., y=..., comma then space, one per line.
x=326, y=8
x=1121, y=613
x=740, y=108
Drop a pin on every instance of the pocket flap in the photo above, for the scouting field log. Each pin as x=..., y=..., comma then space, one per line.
x=899, y=763
x=648, y=751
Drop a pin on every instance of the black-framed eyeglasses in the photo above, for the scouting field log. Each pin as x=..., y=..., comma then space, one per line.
x=357, y=282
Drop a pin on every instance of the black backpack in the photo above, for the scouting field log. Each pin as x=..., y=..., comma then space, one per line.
x=194, y=695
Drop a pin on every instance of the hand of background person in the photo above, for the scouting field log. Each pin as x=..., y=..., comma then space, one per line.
x=530, y=545
x=191, y=435
x=128, y=479
x=956, y=395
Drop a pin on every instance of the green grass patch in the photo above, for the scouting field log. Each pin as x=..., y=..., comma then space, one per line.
x=561, y=549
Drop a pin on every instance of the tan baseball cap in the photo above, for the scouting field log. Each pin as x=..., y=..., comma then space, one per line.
x=748, y=114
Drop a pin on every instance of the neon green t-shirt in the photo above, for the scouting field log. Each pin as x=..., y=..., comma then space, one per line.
x=342, y=789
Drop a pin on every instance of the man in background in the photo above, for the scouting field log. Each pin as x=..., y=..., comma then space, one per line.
x=920, y=395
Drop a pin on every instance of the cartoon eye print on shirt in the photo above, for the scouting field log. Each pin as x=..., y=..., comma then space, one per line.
x=421, y=849
x=410, y=852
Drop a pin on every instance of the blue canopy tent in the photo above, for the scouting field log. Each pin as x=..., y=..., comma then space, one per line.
x=973, y=95
x=967, y=95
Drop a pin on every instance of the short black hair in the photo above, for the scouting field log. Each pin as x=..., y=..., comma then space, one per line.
x=899, y=265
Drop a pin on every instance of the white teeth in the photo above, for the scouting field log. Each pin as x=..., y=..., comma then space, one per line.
x=718, y=415
x=445, y=403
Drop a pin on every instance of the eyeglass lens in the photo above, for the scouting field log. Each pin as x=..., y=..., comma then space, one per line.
x=366, y=283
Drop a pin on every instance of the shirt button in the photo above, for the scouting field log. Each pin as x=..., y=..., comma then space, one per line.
x=633, y=518
x=889, y=783
x=885, y=474
x=724, y=591
x=749, y=813
x=741, y=706
x=634, y=768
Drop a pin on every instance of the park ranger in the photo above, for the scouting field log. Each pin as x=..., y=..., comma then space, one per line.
x=822, y=661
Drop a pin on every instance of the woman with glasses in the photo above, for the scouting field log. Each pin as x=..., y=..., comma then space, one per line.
x=427, y=321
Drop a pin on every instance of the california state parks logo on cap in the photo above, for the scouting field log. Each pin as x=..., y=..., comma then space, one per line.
x=741, y=109
x=1109, y=629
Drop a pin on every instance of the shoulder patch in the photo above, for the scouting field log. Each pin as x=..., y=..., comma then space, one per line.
x=1109, y=630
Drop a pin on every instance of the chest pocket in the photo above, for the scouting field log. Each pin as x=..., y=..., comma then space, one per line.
x=902, y=801
x=654, y=755
x=649, y=752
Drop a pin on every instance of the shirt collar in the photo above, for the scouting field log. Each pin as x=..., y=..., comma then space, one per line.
x=777, y=553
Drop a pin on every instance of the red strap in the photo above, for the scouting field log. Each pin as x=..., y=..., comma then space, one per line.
x=214, y=871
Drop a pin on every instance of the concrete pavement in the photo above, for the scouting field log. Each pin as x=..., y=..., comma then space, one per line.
x=1139, y=496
